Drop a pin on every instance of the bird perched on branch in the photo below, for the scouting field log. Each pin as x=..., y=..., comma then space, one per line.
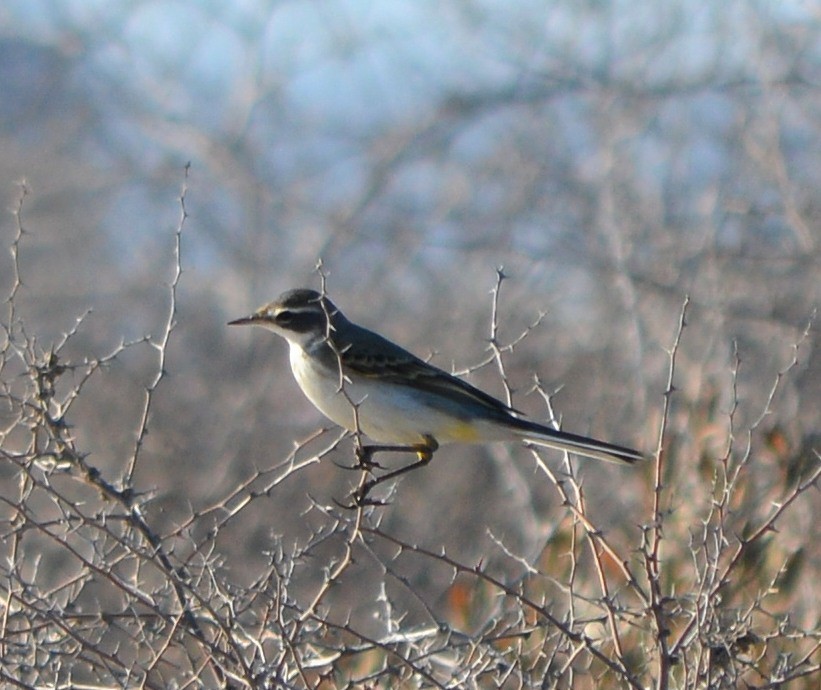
x=365, y=383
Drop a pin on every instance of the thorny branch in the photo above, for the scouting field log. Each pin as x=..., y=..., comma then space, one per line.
x=202, y=627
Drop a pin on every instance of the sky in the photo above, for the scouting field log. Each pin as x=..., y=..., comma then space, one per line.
x=309, y=99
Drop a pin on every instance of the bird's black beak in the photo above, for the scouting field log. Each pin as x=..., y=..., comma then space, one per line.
x=245, y=320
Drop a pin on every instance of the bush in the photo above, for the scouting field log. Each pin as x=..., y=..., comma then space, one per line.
x=714, y=588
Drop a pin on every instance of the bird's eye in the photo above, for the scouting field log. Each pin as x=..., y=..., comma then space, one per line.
x=284, y=317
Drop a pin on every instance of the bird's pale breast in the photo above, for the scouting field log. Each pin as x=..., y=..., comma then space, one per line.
x=386, y=412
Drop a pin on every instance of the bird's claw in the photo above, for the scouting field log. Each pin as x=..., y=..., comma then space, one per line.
x=365, y=461
x=359, y=498
x=348, y=467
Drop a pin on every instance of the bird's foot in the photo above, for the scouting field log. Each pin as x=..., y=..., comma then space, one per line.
x=359, y=498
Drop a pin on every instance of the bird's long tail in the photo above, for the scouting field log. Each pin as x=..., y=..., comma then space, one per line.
x=581, y=445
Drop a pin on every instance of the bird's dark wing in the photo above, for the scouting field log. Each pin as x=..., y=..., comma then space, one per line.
x=376, y=357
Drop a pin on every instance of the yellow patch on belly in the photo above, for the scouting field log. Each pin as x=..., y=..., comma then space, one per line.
x=462, y=432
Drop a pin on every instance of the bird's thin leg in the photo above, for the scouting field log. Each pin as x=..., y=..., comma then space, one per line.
x=424, y=452
x=364, y=455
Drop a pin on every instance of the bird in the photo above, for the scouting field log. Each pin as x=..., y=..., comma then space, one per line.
x=363, y=382
x=369, y=385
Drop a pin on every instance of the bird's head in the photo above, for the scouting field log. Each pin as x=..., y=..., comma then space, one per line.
x=300, y=316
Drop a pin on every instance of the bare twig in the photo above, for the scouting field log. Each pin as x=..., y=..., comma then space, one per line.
x=654, y=532
x=161, y=345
